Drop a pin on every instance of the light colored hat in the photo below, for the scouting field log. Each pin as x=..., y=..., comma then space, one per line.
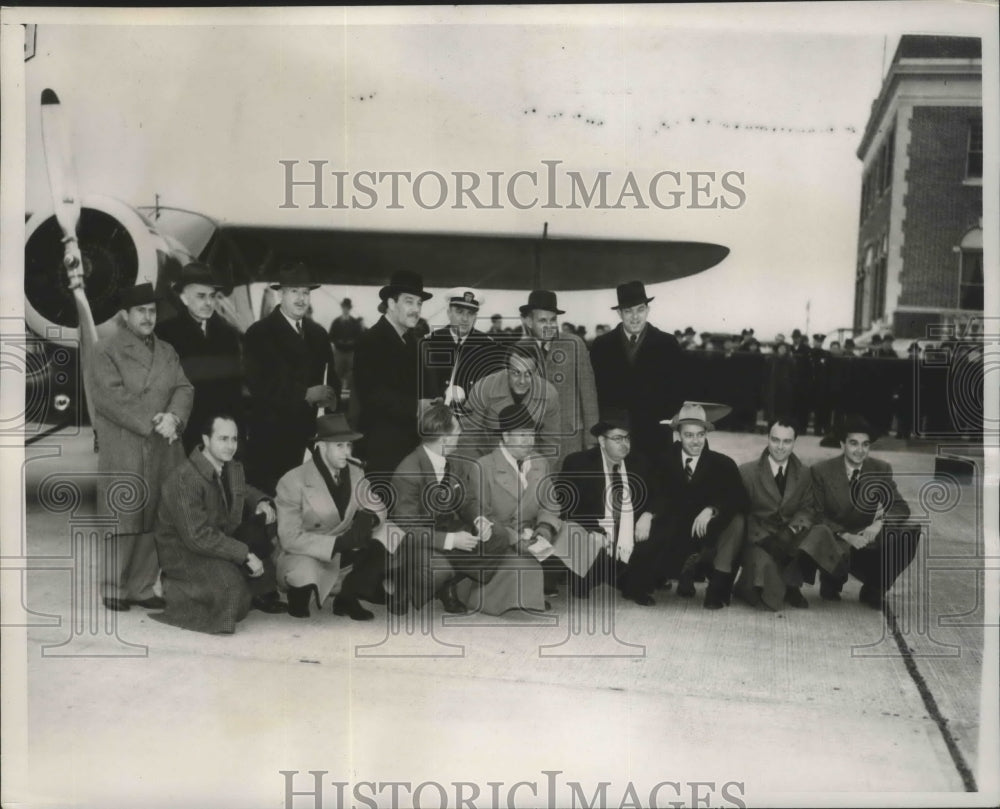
x=703, y=413
x=465, y=296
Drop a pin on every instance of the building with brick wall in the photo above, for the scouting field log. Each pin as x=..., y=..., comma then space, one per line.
x=920, y=238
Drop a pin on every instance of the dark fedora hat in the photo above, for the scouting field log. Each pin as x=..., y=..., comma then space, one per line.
x=138, y=295
x=334, y=427
x=197, y=273
x=515, y=417
x=854, y=423
x=543, y=299
x=404, y=282
x=819, y=337
x=630, y=294
x=294, y=275
x=612, y=419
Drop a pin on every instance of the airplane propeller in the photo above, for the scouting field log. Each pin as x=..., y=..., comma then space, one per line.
x=66, y=202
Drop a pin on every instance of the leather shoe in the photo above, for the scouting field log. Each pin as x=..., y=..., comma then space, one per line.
x=450, y=600
x=643, y=600
x=298, y=600
x=719, y=591
x=269, y=603
x=794, y=597
x=151, y=603
x=116, y=604
x=685, y=581
x=829, y=588
x=352, y=608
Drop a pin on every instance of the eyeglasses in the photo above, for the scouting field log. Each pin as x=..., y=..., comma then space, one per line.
x=619, y=439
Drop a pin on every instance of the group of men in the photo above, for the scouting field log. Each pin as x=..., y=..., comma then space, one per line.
x=479, y=473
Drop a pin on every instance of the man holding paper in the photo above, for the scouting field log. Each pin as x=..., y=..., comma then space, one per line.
x=857, y=500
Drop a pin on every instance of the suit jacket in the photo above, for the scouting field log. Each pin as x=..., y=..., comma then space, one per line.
x=582, y=488
x=386, y=382
x=129, y=384
x=769, y=510
x=503, y=501
x=649, y=387
x=716, y=484
x=212, y=362
x=568, y=368
x=833, y=494
x=478, y=356
x=280, y=365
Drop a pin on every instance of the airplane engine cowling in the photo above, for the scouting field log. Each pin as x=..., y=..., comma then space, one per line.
x=119, y=248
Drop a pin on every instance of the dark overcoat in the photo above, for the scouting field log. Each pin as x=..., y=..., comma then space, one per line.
x=476, y=357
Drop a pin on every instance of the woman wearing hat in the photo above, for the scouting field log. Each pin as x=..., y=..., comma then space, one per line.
x=330, y=526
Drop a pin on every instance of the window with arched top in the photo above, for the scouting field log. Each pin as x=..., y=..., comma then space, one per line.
x=970, y=270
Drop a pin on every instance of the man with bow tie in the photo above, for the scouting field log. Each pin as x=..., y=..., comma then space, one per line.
x=858, y=502
x=783, y=547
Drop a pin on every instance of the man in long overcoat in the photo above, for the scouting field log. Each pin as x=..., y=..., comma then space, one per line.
x=636, y=368
x=211, y=538
x=142, y=400
x=290, y=374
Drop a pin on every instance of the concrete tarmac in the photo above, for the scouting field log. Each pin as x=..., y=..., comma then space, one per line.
x=663, y=705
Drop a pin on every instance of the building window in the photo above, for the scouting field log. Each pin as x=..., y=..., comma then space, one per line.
x=974, y=161
x=889, y=151
x=970, y=271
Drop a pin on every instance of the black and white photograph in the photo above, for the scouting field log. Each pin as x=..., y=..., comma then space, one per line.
x=500, y=406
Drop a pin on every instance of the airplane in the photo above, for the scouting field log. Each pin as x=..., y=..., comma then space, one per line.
x=107, y=245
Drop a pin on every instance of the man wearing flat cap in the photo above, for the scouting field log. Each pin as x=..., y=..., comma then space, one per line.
x=142, y=402
x=858, y=502
x=636, y=369
x=290, y=375
x=564, y=361
x=333, y=530
x=387, y=376
x=457, y=356
x=210, y=349
x=704, y=501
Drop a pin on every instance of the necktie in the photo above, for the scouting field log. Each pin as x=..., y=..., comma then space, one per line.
x=617, y=496
x=780, y=480
x=298, y=327
x=227, y=494
x=520, y=474
x=204, y=328
x=688, y=471
x=855, y=487
x=633, y=341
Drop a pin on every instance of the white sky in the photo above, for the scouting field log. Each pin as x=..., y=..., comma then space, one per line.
x=201, y=115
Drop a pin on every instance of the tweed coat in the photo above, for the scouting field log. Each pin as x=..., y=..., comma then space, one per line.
x=489, y=396
x=212, y=362
x=568, y=368
x=650, y=387
x=309, y=523
x=769, y=512
x=280, y=365
x=476, y=357
x=129, y=384
x=203, y=585
x=386, y=383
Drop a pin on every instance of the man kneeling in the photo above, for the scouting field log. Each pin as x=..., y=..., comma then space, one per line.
x=211, y=539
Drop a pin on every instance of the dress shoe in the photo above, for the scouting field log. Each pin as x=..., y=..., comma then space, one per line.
x=643, y=599
x=719, y=592
x=685, y=581
x=151, y=603
x=269, y=603
x=298, y=600
x=116, y=604
x=450, y=600
x=794, y=597
x=872, y=597
x=351, y=607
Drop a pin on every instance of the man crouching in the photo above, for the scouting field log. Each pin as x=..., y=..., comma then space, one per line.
x=211, y=539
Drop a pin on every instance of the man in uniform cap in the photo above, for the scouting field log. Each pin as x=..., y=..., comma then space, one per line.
x=636, y=369
x=210, y=350
x=290, y=374
x=564, y=361
x=141, y=401
x=704, y=501
x=457, y=356
x=387, y=376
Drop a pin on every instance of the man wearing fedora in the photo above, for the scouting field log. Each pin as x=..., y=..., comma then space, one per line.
x=564, y=361
x=783, y=546
x=636, y=369
x=704, y=501
x=329, y=526
x=290, y=374
x=211, y=538
x=610, y=491
x=387, y=376
x=141, y=401
x=210, y=349
x=858, y=502
x=457, y=356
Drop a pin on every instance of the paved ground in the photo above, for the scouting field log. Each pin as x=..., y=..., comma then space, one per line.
x=799, y=707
